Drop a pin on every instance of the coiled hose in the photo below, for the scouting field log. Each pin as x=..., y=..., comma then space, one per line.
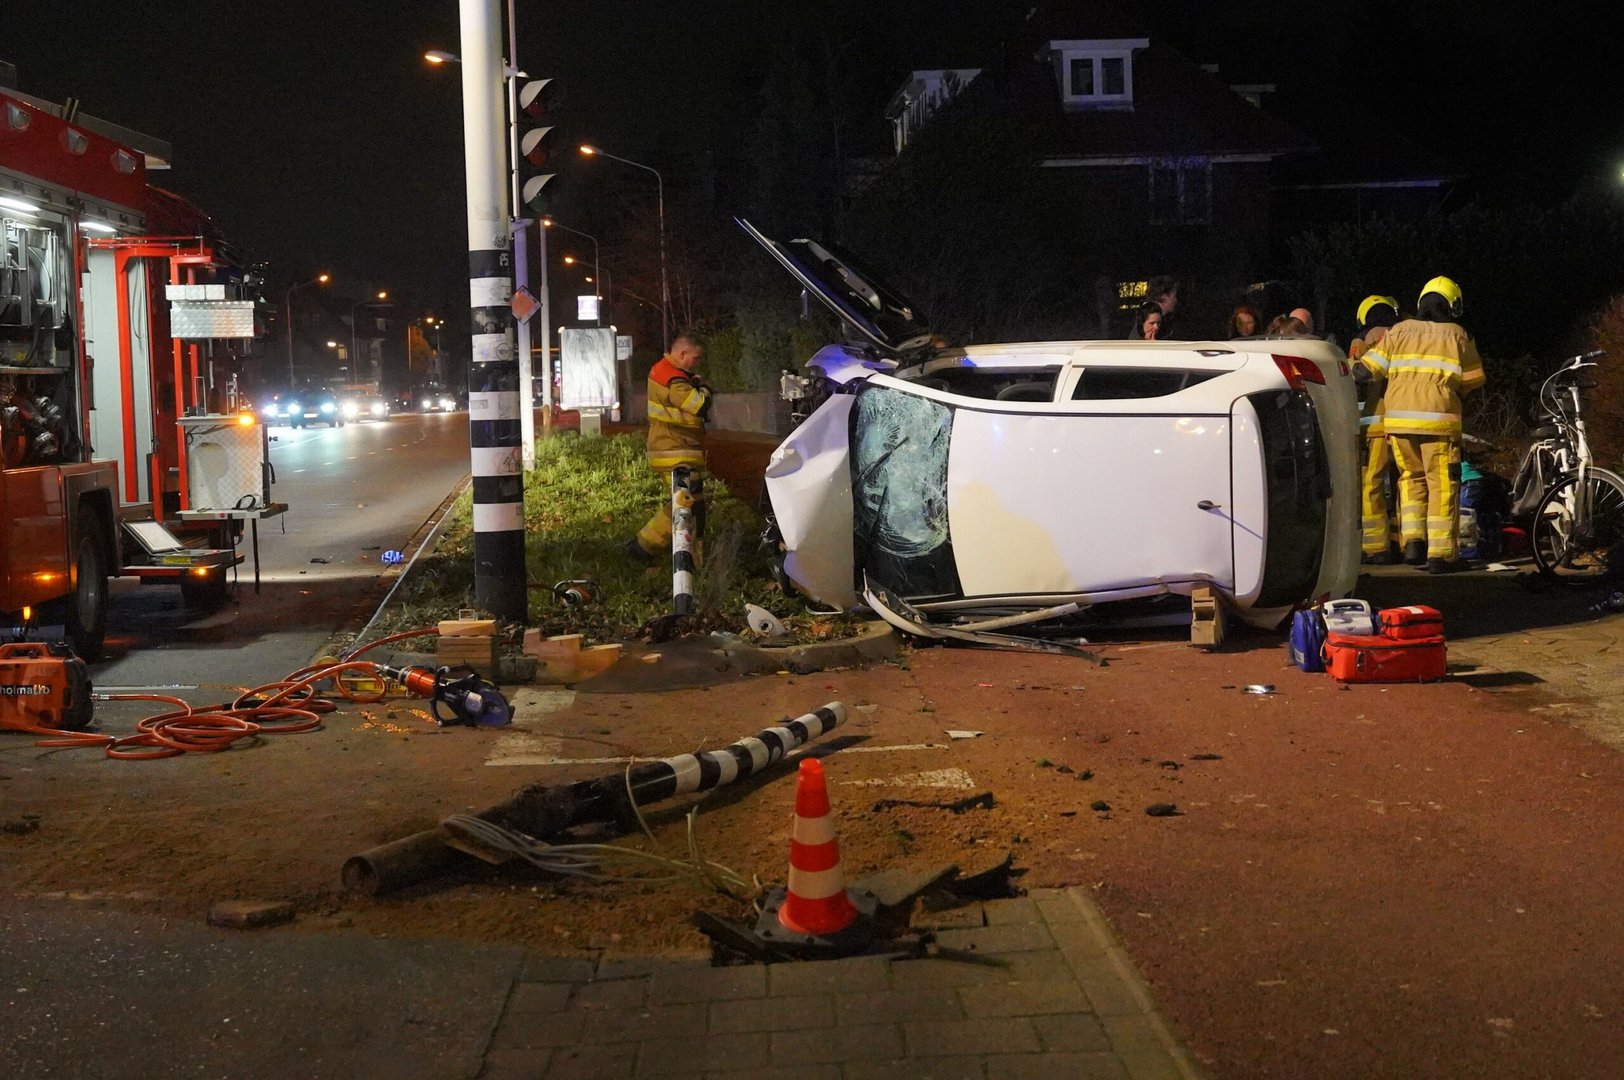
x=285, y=707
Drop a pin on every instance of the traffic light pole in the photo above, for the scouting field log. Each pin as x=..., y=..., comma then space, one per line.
x=521, y=261
x=493, y=376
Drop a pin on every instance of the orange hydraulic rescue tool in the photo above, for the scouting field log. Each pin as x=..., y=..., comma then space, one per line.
x=471, y=699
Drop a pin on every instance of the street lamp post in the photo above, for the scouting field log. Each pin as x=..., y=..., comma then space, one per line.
x=355, y=341
x=287, y=313
x=665, y=289
x=551, y=223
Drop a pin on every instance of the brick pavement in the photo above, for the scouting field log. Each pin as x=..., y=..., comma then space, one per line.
x=1051, y=993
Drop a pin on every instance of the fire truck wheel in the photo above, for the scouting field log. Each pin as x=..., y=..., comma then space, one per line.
x=87, y=604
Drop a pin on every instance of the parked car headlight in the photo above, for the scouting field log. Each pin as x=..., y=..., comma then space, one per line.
x=293, y=408
x=327, y=406
x=447, y=404
x=270, y=409
x=350, y=409
x=378, y=408
x=427, y=404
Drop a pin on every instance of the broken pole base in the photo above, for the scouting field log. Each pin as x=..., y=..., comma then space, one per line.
x=851, y=941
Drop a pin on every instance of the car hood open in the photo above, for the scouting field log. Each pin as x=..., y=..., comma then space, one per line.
x=878, y=313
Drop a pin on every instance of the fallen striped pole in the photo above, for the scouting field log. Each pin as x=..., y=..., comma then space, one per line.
x=688, y=773
x=685, y=494
x=544, y=811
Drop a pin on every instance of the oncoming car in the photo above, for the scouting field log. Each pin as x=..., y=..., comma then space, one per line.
x=437, y=401
x=303, y=407
x=997, y=481
x=366, y=407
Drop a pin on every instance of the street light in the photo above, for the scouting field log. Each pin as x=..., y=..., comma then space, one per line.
x=287, y=310
x=665, y=289
x=355, y=348
x=550, y=223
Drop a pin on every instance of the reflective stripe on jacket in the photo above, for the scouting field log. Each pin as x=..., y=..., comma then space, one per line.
x=1428, y=367
x=1373, y=405
x=676, y=420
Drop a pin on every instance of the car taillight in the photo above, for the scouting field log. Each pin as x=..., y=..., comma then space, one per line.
x=1299, y=371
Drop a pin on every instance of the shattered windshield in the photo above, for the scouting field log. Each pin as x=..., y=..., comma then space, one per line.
x=899, y=491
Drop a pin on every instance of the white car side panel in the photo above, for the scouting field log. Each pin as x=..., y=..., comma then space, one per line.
x=809, y=483
x=1074, y=504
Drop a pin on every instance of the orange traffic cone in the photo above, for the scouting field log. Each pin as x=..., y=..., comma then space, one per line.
x=816, y=901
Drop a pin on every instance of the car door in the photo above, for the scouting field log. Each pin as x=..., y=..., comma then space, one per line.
x=878, y=313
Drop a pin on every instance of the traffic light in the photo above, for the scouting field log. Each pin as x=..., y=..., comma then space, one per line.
x=537, y=99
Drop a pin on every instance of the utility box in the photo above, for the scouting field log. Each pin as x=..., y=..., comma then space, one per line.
x=226, y=463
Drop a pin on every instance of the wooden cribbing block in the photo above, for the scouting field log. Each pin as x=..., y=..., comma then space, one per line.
x=564, y=659
x=550, y=649
x=467, y=628
x=469, y=650
x=1206, y=617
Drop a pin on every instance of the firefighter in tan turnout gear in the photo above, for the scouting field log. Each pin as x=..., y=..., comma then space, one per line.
x=1429, y=363
x=1376, y=315
x=679, y=403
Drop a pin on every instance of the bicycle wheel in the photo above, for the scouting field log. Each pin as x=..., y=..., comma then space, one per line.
x=1579, y=526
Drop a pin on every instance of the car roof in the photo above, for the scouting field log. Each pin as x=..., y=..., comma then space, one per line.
x=1125, y=353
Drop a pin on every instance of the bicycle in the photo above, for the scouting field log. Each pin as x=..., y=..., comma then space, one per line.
x=1577, y=523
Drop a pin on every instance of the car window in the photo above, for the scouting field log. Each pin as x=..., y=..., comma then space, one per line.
x=1118, y=383
x=994, y=385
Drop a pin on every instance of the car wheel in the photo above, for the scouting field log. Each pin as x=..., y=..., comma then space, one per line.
x=86, y=619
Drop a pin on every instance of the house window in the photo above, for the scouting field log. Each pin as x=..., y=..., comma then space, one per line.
x=1113, y=76
x=1082, y=78
x=1096, y=78
x=1181, y=192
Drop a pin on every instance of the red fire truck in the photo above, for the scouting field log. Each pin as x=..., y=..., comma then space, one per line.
x=120, y=311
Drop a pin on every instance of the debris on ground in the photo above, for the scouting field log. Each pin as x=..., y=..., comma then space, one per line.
x=1260, y=688
x=983, y=801
x=1206, y=757
x=964, y=734
x=1100, y=805
x=1164, y=809
x=21, y=826
x=250, y=914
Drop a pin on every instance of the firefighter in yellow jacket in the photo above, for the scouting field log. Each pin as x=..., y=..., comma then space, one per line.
x=1376, y=314
x=679, y=403
x=1429, y=364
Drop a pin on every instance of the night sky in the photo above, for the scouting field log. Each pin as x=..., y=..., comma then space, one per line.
x=316, y=135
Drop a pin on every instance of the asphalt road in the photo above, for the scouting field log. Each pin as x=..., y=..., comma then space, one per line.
x=353, y=493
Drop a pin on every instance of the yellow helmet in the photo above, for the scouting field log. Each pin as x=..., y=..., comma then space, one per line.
x=1373, y=301
x=1447, y=289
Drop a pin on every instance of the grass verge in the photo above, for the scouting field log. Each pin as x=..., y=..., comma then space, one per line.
x=582, y=502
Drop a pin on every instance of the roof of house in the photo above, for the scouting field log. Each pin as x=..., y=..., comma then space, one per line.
x=1178, y=110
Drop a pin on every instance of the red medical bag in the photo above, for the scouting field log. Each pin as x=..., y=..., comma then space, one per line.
x=1412, y=623
x=1372, y=658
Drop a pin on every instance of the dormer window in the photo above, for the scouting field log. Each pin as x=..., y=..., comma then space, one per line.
x=1096, y=74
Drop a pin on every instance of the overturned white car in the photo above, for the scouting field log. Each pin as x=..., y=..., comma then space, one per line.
x=1000, y=481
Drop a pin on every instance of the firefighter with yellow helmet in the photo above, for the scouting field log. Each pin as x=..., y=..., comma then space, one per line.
x=1428, y=363
x=679, y=404
x=1376, y=314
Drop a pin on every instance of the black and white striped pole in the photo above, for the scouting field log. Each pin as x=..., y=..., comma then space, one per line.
x=687, y=773
x=493, y=376
x=685, y=495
